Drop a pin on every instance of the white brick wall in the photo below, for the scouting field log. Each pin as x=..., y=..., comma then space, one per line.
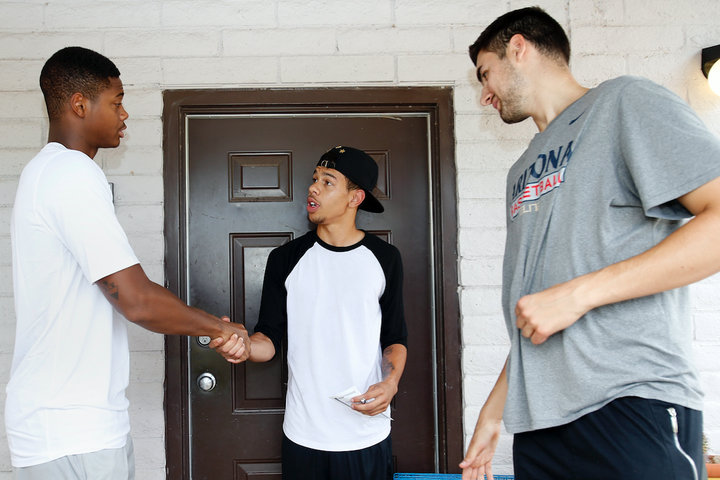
x=263, y=43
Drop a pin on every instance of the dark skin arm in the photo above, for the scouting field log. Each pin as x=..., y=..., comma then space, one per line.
x=155, y=308
x=393, y=365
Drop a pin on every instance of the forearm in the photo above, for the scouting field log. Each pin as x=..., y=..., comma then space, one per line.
x=393, y=363
x=162, y=312
x=494, y=406
x=262, y=348
x=155, y=308
x=686, y=256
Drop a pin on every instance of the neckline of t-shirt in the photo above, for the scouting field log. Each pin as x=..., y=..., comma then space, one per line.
x=574, y=107
x=333, y=248
x=60, y=147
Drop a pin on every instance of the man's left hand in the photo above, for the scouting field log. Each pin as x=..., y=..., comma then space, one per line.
x=381, y=394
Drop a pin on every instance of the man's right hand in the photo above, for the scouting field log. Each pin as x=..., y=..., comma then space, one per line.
x=237, y=348
x=478, y=459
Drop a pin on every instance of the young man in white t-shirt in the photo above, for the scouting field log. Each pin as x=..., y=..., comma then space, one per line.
x=337, y=291
x=66, y=413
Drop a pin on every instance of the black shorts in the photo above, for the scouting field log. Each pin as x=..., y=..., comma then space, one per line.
x=630, y=438
x=371, y=463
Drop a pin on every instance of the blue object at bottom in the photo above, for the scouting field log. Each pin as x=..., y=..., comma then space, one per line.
x=441, y=476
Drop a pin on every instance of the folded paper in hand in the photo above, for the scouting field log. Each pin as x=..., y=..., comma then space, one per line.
x=346, y=399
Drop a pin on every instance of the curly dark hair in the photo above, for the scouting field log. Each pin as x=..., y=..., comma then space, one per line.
x=534, y=24
x=74, y=70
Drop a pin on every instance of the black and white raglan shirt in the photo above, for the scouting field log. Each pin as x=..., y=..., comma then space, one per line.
x=342, y=306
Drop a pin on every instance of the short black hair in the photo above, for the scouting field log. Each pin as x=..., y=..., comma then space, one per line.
x=74, y=70
x=534, y=24
x=351, y=186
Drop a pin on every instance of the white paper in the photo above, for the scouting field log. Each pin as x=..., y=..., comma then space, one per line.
x=346, y=397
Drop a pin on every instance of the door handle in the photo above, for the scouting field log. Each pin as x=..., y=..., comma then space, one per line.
x=206, y=382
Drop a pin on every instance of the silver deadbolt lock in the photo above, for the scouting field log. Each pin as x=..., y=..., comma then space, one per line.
x=206, y=382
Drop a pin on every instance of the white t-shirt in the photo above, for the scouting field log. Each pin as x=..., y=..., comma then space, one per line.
x=70, y=367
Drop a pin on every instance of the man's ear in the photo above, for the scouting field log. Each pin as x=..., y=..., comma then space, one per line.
x=358, y=195
x=517, y=48
x=78, y=104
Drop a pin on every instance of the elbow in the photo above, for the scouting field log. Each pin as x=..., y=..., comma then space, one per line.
x=137, y=311
x=134, y=315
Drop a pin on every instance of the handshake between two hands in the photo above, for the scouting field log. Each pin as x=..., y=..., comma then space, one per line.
x=236, y=348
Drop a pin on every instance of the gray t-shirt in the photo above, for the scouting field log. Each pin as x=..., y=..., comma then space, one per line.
x=598, y=186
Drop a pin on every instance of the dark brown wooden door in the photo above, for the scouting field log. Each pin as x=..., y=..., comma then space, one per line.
x=247, y=183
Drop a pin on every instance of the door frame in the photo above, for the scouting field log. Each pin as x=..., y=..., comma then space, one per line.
x=435, y=101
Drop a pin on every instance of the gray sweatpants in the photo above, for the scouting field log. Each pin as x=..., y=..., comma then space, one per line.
x=111, y=464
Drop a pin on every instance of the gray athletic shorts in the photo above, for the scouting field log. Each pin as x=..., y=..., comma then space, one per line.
x=110, y=464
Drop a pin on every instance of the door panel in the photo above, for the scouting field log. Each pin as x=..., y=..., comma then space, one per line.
x=247, y=180
x=257, y=385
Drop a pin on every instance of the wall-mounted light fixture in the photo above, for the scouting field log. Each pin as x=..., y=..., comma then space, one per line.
x=711, y=67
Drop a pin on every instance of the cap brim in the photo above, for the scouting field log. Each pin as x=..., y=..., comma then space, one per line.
x=371, y=204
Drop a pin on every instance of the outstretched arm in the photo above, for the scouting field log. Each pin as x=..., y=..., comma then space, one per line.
x=155, y=308
x=478, y=458
x=393, y=364
x=687, y=255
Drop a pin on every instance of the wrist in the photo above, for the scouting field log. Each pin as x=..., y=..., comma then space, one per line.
x=224, y=329
x=391, y=383
x=489, y=418
x=589, y=291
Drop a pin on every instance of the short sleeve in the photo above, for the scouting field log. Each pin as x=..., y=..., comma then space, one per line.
x=668, y=150
x=77, y=205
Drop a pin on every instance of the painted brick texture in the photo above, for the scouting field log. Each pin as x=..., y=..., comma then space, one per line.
x=284, y=43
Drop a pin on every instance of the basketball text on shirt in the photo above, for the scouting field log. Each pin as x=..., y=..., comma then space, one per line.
x=548, y=169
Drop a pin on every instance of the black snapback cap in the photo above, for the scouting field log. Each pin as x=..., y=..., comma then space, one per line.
x=357, y=166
